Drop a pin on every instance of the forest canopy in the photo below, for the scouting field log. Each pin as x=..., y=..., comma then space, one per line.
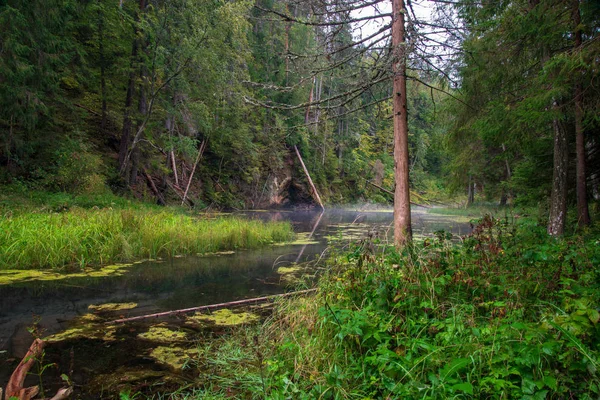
x=203, y=102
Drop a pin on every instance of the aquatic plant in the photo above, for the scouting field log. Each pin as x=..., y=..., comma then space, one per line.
x=92, y=237
x=508, y=312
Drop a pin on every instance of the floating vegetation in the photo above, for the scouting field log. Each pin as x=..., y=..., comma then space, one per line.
x=11, y=277
x=126, y=378
x=173, y=357
x=301, y=238
x=162, y=334
x=97, y=331
x=288, y=270
x=223, y=317
x=111, y=307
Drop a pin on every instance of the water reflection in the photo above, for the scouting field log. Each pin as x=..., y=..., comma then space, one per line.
x=194, y=281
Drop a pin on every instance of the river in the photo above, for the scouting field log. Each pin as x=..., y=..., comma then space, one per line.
x=161, y=285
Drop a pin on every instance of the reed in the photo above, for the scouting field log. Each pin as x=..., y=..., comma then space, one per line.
x=93, y=237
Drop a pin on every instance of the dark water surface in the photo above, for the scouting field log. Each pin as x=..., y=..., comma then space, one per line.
x=192, y=280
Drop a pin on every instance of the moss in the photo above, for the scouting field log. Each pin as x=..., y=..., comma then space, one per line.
x=111, y=307
x=224, y=317
x=300, y=239
x=125, y=377
x=162, y=334
x=288, y=270
x=173, y=357
x=87, y=331
x=11, y=277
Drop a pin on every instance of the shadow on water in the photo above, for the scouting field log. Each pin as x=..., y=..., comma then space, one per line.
x=155, y=286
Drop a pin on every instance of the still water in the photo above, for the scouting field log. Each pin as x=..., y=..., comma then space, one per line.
x=182, y=282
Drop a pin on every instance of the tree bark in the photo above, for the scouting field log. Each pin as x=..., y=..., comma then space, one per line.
x=312, y=185
x=583, y=213
x=187, y=188
x=102, y=56
x=558, y=201
x=14, y=387
x=402, y=222
x=124, y=146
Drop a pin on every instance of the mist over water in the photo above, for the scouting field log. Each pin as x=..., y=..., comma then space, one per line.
x=192, y=281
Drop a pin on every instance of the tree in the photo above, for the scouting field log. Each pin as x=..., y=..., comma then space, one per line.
x=402, y=225
x=378, y=58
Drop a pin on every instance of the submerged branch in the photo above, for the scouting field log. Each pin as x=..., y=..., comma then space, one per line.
x=256, y=300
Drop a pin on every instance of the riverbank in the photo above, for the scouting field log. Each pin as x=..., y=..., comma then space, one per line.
x=59, y=231
x=506, y=313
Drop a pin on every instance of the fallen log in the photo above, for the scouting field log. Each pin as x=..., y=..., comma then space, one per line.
x=256, y=300
x=310, y=182
x=198, y=157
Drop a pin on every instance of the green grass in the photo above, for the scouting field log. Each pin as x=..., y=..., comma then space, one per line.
x=36, y=237
x=476, y=210
x=507, y=313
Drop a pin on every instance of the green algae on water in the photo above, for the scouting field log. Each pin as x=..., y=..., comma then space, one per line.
x=85, y=331
x=162, y=334
x=11, y=277
x=111, y=307
x=288, y=270
x=173, y=357
x=223, y=317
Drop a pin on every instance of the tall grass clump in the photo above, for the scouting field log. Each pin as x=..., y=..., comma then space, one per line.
x=80, y=237
x=508, y=313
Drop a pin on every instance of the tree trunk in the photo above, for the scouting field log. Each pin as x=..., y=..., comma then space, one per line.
x=470, y=192
x=102, y=57
x=402, y=223
x=127, y=123
x=583, y=214
x=310, y=182
x=558, y=201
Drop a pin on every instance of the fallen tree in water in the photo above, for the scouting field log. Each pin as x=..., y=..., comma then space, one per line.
x=255, y=300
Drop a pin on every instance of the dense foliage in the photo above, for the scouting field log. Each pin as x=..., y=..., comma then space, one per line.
x=505, y=313
x=139, y=96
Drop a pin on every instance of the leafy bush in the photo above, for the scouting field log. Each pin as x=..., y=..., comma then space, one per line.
x=508, y=313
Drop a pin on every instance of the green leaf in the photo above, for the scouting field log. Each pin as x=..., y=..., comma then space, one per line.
x=550, y=382
x=593, y=315
x=454, y=367
x=464, y=387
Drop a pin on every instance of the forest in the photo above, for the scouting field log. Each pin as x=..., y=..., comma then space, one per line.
x=426, y=173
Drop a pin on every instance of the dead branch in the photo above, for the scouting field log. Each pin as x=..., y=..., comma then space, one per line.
x=256, y=300
x=14, y=388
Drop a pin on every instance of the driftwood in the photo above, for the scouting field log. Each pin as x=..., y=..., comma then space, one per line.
x=200, y=152
x=158, y=195
x=312, y=185
x=63, y=394
x=256, y=300
x=14, y=388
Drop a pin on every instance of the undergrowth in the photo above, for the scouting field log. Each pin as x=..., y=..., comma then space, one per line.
x=507, y=313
